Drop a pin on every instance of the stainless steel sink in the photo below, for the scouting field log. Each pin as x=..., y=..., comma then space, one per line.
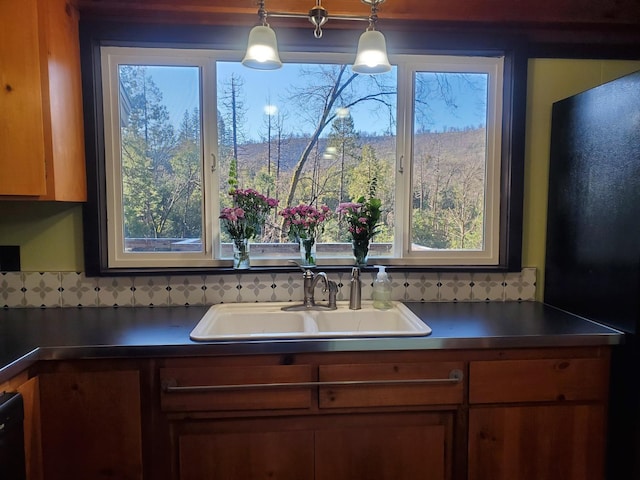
x=254, y=321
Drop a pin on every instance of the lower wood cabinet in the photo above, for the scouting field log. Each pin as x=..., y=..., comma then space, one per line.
x=91, y=425
x=28, y=387
x=314, y=417
x=386, y=446
x=343, y=447
x=525, y=414
x=241, y=451
x=538, y=418
x=542, y=442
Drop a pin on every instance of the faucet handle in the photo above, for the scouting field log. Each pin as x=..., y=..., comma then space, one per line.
x=304, y=269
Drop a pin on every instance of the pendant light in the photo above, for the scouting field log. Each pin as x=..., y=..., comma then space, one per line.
x=371, y=57
x=262, y=48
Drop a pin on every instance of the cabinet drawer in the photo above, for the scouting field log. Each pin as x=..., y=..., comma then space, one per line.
x=235, y=388
x=391, y=384
x=552, y=380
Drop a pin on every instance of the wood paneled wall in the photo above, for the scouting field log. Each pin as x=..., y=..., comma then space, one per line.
x=551, y=12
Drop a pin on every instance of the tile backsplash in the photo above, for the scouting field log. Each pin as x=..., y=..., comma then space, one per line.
x=72, y=289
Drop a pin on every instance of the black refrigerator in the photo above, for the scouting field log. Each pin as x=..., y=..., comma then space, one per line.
x=593, y=239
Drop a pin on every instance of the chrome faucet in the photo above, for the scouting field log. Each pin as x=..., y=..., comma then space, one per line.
x=310, y=281
x=355, y=290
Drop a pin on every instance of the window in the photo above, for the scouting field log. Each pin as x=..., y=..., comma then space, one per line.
x=181, y=124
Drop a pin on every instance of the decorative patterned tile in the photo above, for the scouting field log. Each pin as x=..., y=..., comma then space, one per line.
x=257, y=288
x=220, y=288
x=289, y=287
x=70, y=289
x=421, y=287
x=151, y=291
x=487, y=287
x=186, y=290
x=115, y=291
x=455, y=287
x=398, y=285
x=77, y=290
x=11, y=290
x=520, y=285
x=367, y=284
x=42, y=289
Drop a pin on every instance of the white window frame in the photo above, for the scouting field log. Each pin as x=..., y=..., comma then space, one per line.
x=111, y=58
x=407, y=65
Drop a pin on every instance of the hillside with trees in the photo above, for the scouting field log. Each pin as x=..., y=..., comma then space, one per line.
x=448, y=187
x=162, y=186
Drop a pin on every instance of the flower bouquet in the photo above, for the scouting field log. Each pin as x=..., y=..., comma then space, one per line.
x=304, y=224
x=362, y=217
x=244, y=221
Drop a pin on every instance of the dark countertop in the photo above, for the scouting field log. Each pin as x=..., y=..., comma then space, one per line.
x=28, y=335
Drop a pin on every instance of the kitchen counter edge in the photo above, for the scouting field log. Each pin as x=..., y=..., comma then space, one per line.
x=31, y=335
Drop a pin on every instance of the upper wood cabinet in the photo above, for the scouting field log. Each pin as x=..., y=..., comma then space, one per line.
x=41, y=129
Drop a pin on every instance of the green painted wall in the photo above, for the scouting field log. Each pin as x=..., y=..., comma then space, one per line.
x=51, y=234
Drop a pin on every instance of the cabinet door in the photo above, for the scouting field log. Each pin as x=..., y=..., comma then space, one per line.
x=41, y=123
x=29, y=388
x=398, y=447
x=246, y=455
x=546, y=442
x=22, y=152
x=91, y=425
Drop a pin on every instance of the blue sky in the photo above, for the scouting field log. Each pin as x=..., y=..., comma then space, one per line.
x=179, y=87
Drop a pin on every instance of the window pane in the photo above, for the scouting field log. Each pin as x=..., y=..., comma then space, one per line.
x=308, y=133
x=161, y=152
x=449, y=161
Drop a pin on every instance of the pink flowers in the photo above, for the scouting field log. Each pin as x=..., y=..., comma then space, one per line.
x=232, y=214
x=251, y=198
x=362, y=217
x=304, y=221
x=249, y=213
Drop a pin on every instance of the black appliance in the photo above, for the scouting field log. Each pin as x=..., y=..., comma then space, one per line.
x=593, y=239
x=12, y=462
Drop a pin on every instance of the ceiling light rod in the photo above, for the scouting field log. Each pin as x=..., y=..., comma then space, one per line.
x=319, y=15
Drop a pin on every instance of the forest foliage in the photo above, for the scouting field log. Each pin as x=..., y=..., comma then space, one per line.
x=162, y=173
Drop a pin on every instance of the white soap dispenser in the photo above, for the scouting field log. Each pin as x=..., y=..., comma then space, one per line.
x=382, y=289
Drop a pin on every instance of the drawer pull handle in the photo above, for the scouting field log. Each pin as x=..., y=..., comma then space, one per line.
x=171, y=386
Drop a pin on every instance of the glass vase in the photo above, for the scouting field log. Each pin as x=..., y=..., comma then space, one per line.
x=307, y=252
x=360, y=251
x=241, y=259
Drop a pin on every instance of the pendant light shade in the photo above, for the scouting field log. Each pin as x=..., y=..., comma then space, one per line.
x=371, y=57
x=262, y=49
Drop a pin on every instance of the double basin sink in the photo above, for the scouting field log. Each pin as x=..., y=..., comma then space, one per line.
x=256, y=321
